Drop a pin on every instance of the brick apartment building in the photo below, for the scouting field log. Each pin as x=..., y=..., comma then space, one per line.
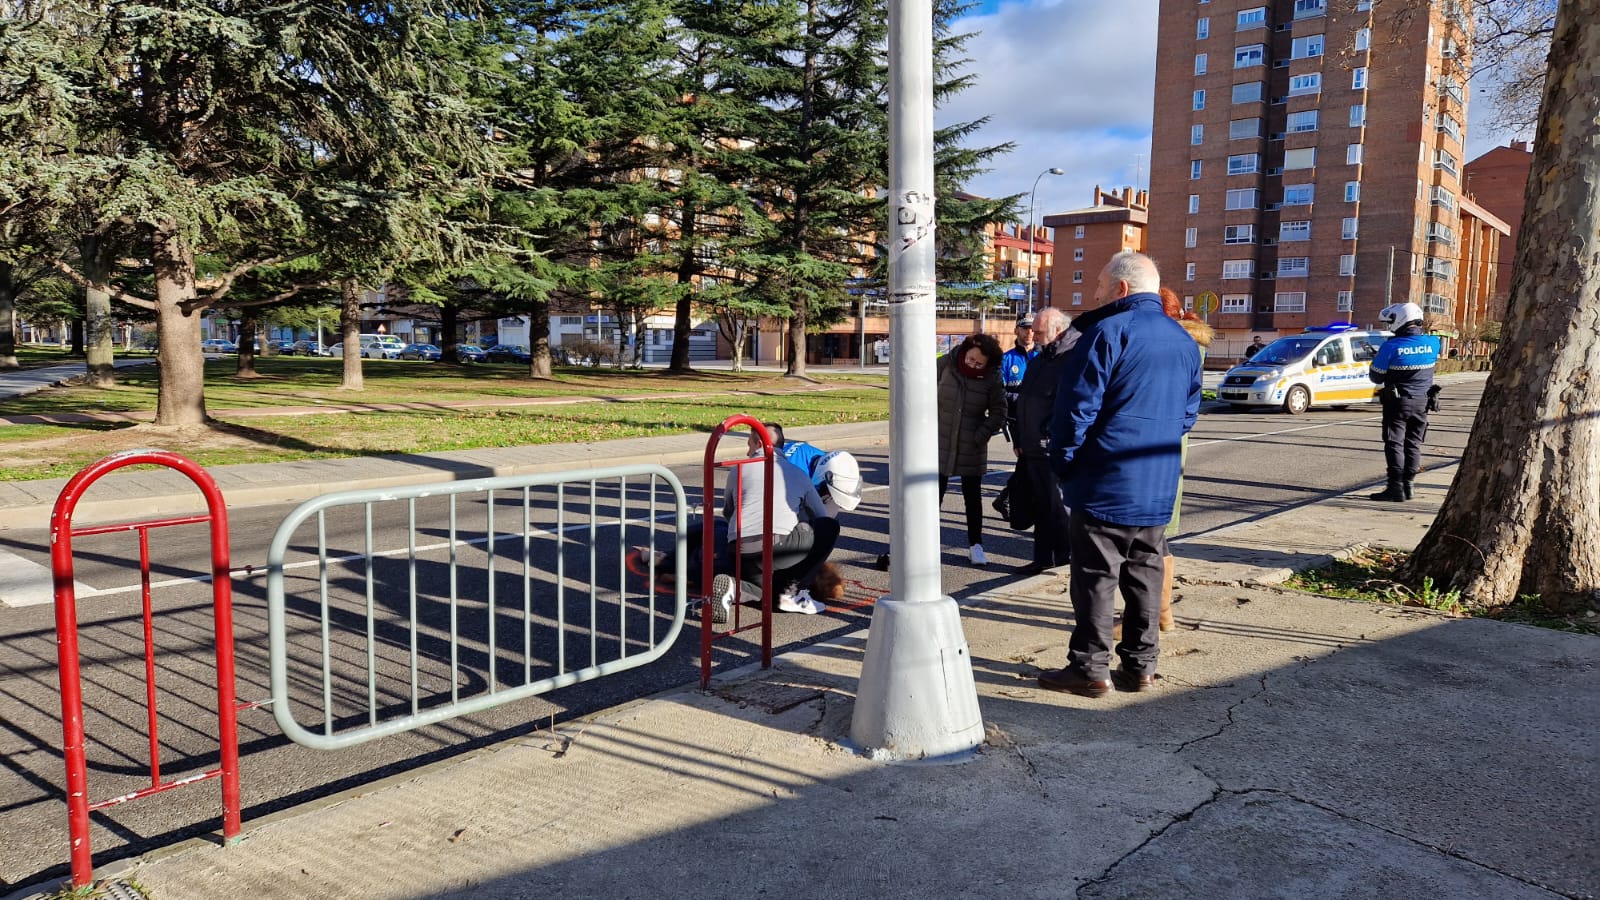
x=1301, y=145
x=1111, y=223
x=1008, y=247
x=1498, y=182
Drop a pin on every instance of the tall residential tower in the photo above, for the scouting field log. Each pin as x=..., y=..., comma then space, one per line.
x=1301, y=148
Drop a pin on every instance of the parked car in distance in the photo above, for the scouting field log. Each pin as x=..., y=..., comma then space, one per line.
x=507, y=353
x=218, y=345
x=284, y=347
x=381, y=346
x=307, y=348
x=426, y=352
x=469, y=353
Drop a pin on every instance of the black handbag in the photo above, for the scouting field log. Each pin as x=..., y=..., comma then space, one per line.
x=1020, y=496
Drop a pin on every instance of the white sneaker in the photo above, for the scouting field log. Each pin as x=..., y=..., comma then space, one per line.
x=721, y=598
x=801, y=602
x=976, y=552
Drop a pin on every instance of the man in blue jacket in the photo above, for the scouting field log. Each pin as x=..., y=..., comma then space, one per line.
x=1404, y=369
x=1129, y=392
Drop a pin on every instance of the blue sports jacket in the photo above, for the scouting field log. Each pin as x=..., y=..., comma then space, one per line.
x=1404, y=364
x=1129, y=392
x=1013, y=365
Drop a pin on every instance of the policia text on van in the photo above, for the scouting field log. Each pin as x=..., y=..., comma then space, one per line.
x=1328, y=365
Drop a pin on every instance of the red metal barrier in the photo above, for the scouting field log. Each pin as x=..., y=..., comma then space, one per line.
x=708, y=539
x=61, y=535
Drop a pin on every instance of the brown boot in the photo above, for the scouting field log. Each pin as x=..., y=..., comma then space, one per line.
x=1168, y=565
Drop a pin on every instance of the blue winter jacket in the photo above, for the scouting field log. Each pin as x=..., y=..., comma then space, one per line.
x=1404, y=364
x=1129, y=392
x=1014, y=365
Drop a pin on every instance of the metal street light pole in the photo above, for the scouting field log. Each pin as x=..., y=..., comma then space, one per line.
x=1032, y=196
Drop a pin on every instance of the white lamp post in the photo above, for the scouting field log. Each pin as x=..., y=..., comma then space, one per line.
x=1032, y=196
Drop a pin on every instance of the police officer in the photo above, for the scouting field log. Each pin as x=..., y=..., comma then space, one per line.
x=1014, y=365
x=1404, y=370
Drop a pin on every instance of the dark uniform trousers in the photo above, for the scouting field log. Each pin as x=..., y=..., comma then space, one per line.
x=1106, y=557
x=1405, y=427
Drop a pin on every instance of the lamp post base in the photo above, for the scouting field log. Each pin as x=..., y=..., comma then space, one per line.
x=917, y=700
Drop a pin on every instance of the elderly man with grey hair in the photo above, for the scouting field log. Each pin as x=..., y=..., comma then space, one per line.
x=1036, y=402
x=1129, y=392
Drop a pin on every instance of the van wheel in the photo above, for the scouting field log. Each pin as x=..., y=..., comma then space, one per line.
x=1298, y=400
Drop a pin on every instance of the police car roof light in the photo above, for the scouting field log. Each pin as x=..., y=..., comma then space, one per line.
x=1333, y=327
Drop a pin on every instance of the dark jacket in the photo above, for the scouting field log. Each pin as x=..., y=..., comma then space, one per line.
x=1129, y=392
x=1404, y=364
x=1036, y=401
x=971, y=411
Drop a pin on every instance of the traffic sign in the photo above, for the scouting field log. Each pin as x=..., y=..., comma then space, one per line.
x=1207, y=302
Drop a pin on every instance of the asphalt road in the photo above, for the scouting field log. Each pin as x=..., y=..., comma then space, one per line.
x=1241, y=465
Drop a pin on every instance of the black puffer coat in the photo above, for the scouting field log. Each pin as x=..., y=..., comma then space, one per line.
x=971, y=411
x=1036, y=400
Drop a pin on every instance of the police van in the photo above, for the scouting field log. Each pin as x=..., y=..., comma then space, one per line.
x=1326, y=366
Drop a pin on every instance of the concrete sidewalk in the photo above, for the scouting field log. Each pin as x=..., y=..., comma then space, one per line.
x=1295, y=746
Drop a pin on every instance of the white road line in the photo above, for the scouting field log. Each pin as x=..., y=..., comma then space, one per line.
x=26, y=583
x=1246, y=437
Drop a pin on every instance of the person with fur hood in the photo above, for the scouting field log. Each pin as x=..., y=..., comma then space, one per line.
x=1203, y=336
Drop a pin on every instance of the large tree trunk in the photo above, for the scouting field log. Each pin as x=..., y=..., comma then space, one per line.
x=8, y=317
x=1523, y=516
x=100, y=347
x=797, y=340
x=350, y=334
x=539, y=340
x=679, y=364
x=739, y=334
x=181, y=397
x=249, y=326
x=448, y=329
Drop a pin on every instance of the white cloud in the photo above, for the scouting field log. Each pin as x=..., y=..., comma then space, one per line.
x=1072, y=84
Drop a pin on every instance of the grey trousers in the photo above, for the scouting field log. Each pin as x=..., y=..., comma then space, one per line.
x=1106, y=557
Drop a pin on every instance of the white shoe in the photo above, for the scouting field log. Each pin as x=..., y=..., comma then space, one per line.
x=721, y=598
x=801, y=602
x=976, y=552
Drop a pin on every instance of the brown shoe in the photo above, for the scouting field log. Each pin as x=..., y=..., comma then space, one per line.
x=1072, y=681
x=1132, y=682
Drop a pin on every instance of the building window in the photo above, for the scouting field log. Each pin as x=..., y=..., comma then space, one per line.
x=1202, y=28
x=1442, y=197
x=1199, y=99
x=1254, y=17
x=1348, y=230
x=1243, y=198
x=1302, y=121
x=1077, y=298
x=1440, y=232
x=1443, y=160
x=1347, y=264
x=1438, y=267
x=1194, y=203
x=1305, y=158
x=1235, y=269
x=1294, y=266
x=1244, y=163
x=1191, y=236
x=1241, y=129
x=1449, y=125
x=1077, y=254
x=1077, y=276
x=1289, y=301
x=1247, y=93
x=1358, y=79
x=1249, y=55
x=1306, y=47
x=1451, y=88
x=1199, y=63
x=1352, y=191
x=1294, y=231
x=1197, y=134
x=1298, y=194
x=1358, y=115
x=1352, y=155
x=1078, y=232
x=1347, y=301
x=1188, y=271
x=1361, y=5
x=1188, y=303
x=1299, y=85
x=1194, y=169
x=1364, y=39
x=1239, y=234
x=1235, y=303
x=1305, y=9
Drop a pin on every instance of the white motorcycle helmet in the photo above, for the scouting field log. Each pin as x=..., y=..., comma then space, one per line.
x=1400, y=315
x=842, y=476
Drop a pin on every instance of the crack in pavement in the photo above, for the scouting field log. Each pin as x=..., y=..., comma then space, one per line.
x=1153, y=836
x=1002, y=740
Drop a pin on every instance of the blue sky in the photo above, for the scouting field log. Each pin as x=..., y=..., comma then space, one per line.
x=1071, y=83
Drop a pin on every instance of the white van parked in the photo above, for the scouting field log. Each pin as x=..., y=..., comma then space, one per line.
x=374, y=346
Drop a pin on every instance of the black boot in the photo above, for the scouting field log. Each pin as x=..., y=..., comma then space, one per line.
x=1406, y=488
x=1394, y=493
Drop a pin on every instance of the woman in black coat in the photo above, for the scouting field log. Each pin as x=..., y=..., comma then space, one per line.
x=972, y=409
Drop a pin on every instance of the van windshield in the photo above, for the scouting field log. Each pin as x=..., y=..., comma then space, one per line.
x=1286, y=350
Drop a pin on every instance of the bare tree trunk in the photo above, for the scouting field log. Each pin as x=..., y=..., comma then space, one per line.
x=76, y=330
x=448, y=333
x=8, y=317
x=248, y=327
x=99, y=347
x=181, y=397
x=681, y=319
x=539, y=340
x=740, y=330
x=1523, y=515
x=350, y=334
